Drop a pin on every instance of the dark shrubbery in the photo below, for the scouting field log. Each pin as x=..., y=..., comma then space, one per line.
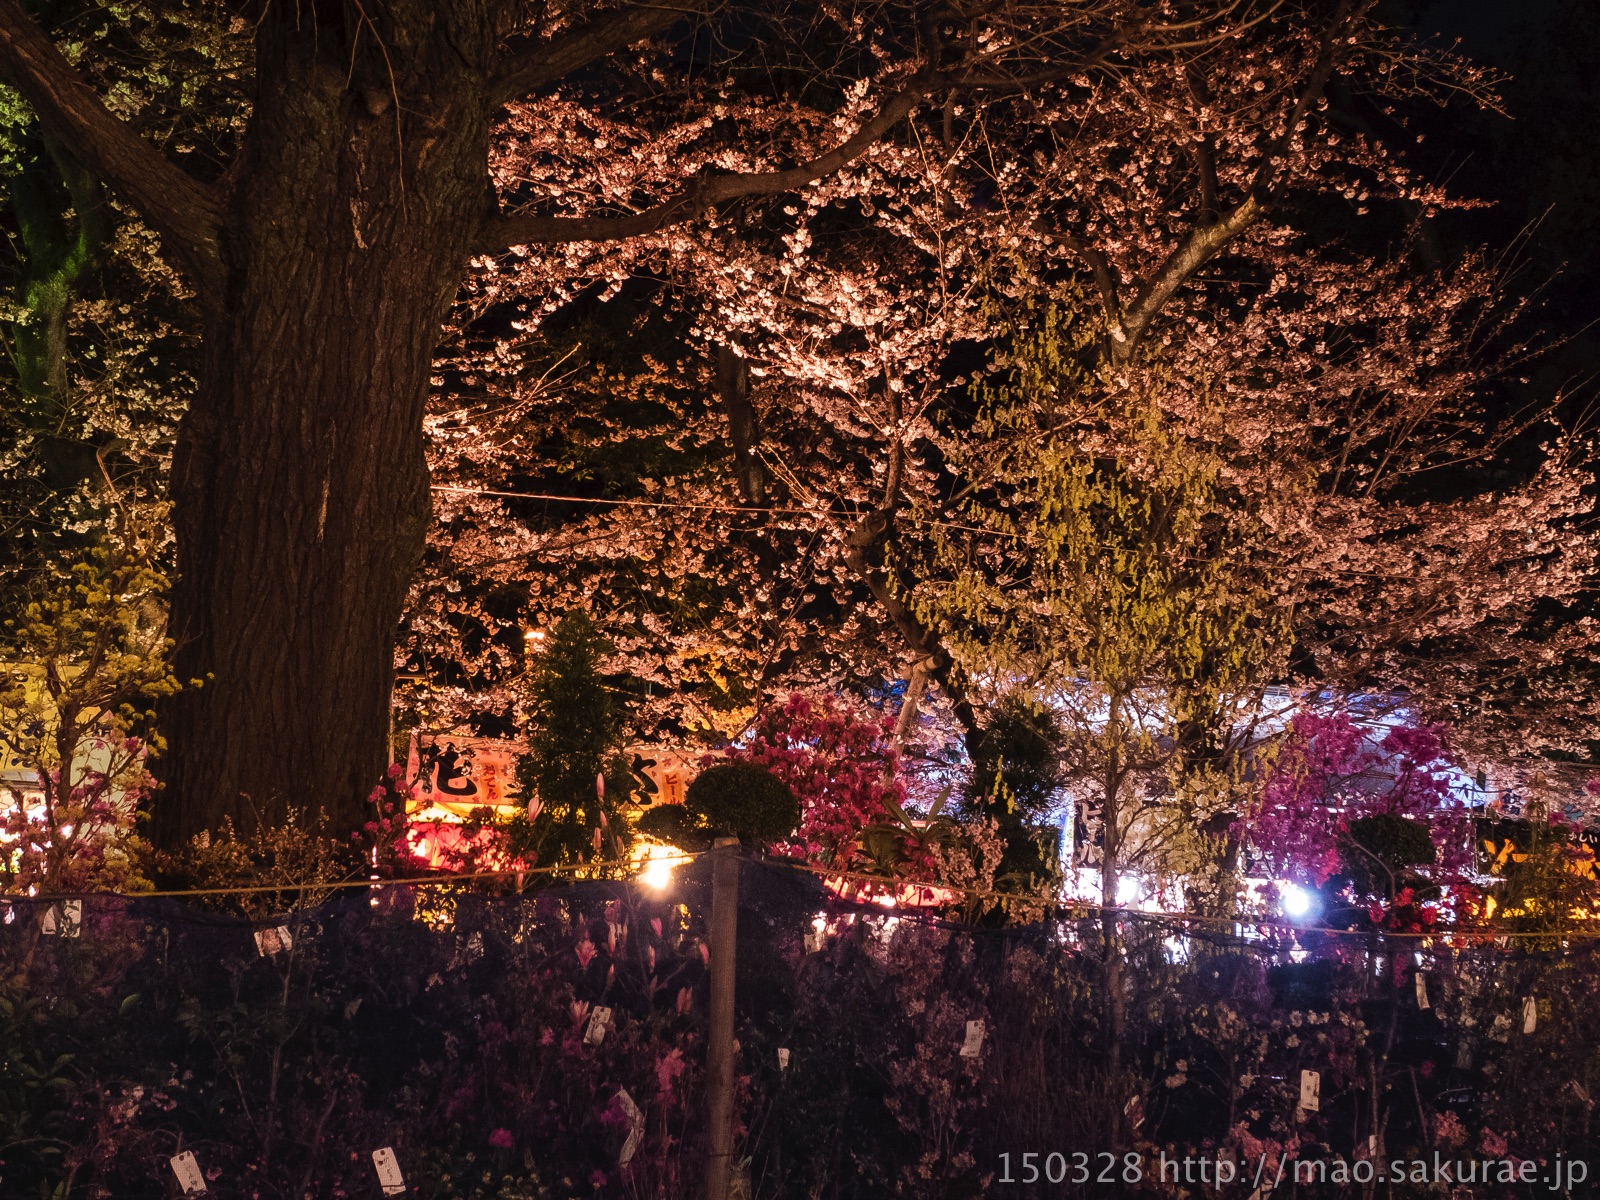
x=735, y=799
x=744, y=801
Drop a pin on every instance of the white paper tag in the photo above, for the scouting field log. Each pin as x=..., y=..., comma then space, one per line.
x=1422, y=990
x=783, y=1058
x=64, y=918
x=635, y=1128
x=1530, y=1014
x=273, y=941
x=973, y=1044
x=187, y=1170
x=1311, y=1090
x=599, y=1020
x=389, y=1178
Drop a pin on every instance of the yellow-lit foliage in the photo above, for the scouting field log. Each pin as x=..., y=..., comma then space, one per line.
x=87, y=659
x=1120, y=579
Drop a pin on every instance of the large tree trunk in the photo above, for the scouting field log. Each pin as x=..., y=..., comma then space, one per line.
x=299, y=483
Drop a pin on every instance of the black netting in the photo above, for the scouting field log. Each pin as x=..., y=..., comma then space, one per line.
x=459, y=1028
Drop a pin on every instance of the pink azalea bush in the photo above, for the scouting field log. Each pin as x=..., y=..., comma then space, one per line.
x=1329, y=773
x=83, y=836
x=841, y=762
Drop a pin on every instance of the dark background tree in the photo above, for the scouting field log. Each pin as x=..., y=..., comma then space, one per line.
x=575, y=729
x=1017, y=776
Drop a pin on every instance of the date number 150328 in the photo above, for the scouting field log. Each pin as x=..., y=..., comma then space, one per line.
x=1057, y=1167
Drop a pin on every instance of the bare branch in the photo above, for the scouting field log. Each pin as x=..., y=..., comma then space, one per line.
x=541, y=63
x=183, y=211
x=517, y=230
x=1209, y=237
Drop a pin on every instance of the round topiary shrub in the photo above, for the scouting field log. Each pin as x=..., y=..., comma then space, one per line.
x=1375, y=852
x=743, y=800
x=673, y=824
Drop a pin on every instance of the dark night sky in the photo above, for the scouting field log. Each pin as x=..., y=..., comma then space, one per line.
x=1541, y=168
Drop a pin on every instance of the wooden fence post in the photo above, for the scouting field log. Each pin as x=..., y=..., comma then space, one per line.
x=719, y=1040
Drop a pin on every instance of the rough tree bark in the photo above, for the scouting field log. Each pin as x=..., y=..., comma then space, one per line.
x=299, y=484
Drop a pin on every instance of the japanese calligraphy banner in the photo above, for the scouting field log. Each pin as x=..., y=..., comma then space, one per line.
x=459, y=774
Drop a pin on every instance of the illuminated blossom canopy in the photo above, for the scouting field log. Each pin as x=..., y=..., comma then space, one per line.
x=771, y=410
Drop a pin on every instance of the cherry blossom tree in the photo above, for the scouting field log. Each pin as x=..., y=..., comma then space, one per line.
x=1222, y=216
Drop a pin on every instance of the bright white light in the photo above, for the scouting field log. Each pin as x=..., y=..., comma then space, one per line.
x=658, y=868
x=66, y=831
x=1297, y=902
x=1128, y=890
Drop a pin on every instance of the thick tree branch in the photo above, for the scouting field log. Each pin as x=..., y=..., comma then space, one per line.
x=504, y=232
x=733, y=389
x=1197, y=249
x=1207, y=239
x=538, y=64
x=864, y=546
x=1204, y=151
x=183, y=211
x=1349, y=13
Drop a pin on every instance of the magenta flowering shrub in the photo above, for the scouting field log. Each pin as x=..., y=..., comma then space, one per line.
x=841, y=763
x=385, y=838
x=1329, y=773
x=81, y=834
